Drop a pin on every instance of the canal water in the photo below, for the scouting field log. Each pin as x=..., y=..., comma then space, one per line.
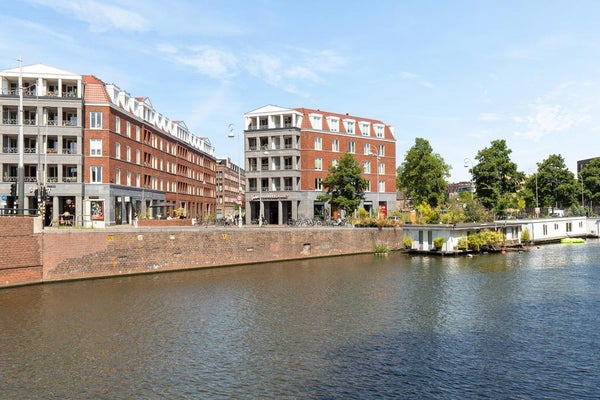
x=518, y=326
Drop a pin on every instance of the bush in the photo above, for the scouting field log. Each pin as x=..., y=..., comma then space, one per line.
x=438, y=242
x=407, y=241
x=525, y=237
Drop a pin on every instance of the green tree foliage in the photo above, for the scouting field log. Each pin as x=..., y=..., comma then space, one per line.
x=557, y=186
x=422, y=175
x=591, y=181
x=345, y=185
x=496, y=177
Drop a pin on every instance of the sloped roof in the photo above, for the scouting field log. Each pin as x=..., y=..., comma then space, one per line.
x=39, y=69
x=268, y=109
x=95, y=90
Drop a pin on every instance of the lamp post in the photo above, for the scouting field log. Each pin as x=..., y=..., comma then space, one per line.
x=260, y=204
x=469, y=164
x=231, y=135
x=376, y=154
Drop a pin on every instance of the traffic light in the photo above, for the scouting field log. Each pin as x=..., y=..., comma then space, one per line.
x=13, y=189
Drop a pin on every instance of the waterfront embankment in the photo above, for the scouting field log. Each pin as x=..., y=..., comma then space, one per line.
x=33, y=255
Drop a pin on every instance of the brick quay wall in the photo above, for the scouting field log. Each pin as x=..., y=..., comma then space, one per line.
x=66, y=254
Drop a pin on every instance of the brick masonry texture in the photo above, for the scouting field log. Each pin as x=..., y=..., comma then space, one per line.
x=79, y=254
x=21, y=252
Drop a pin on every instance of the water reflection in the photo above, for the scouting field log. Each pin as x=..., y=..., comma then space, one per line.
x=518, y=325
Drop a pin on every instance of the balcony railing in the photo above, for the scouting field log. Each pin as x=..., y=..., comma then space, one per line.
x=69, y=179
x=10, y=150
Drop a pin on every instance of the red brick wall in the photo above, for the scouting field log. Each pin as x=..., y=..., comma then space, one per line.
x=63, y=254
x=86, y=254
x=21, y=252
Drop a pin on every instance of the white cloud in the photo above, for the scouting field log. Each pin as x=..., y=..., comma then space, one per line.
x=490, y=117
x=547, y=119
x=213, y=62
x=409, y=76
x=100, y=16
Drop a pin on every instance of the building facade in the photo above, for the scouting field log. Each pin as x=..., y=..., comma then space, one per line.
x=230, y=189
x=140, y=163
x=288, y=153
x=43, y=106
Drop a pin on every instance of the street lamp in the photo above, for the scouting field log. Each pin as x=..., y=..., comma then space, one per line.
x=260, y=203
x=231, y=135
x=469, y=164
x=376, y=154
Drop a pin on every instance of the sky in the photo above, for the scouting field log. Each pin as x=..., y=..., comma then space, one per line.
x=459, y=74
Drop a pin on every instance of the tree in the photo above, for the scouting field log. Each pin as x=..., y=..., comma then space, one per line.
x=496, y=177
x=557, y=186
x=591, y=181
x=345, y=185
x=422, y=175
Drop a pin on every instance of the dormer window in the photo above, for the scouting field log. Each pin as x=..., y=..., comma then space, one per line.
x=316, y=121
x=334, y=124
x=349, y=124
x=365, y=128
x=379, y=130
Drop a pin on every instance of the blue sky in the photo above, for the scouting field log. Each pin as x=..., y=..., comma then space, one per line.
x=457, y=73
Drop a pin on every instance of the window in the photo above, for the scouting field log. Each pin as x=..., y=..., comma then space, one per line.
x=334, y=162
x=351, y=147
x=318, y=184
x=128, y=178
x=335, y=145
x=319, y=164
x=316, y=121
x=137, y=133
x=381, y=186
x=381, y=168
x=117, y=150
x=365, y=128
x=117, y=124
x=367, y=167
x=95, y=174
x=138, y=156
x=367, y=149
x=381, y=150
x=95, y=120
x=95, y=147
x=128, y=153
x=379, y=129
x=318, y=143
x=349, y=124
x=128, y=129
x=334, y=124
x=118, y=176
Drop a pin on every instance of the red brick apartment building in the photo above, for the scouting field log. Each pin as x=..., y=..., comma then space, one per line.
x=288, y=153
x=231, y=185
x=138, y=162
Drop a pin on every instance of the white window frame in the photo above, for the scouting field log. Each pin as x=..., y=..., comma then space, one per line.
x=118, y=150
x=335, y=145
x=117, y=124
x=318, y=143
x=95, y=147
x=334, y=124
x=365, y=128
x=318, y=164
x=95, y=120
x=95, y=174
x=351, y=147
x=379, y=130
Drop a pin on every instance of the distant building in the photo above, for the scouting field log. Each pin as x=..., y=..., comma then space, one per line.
x=288, y=153
x=582, y=163
x=230, y=188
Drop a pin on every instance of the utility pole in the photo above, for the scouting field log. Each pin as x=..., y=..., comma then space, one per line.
x=21, y=147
